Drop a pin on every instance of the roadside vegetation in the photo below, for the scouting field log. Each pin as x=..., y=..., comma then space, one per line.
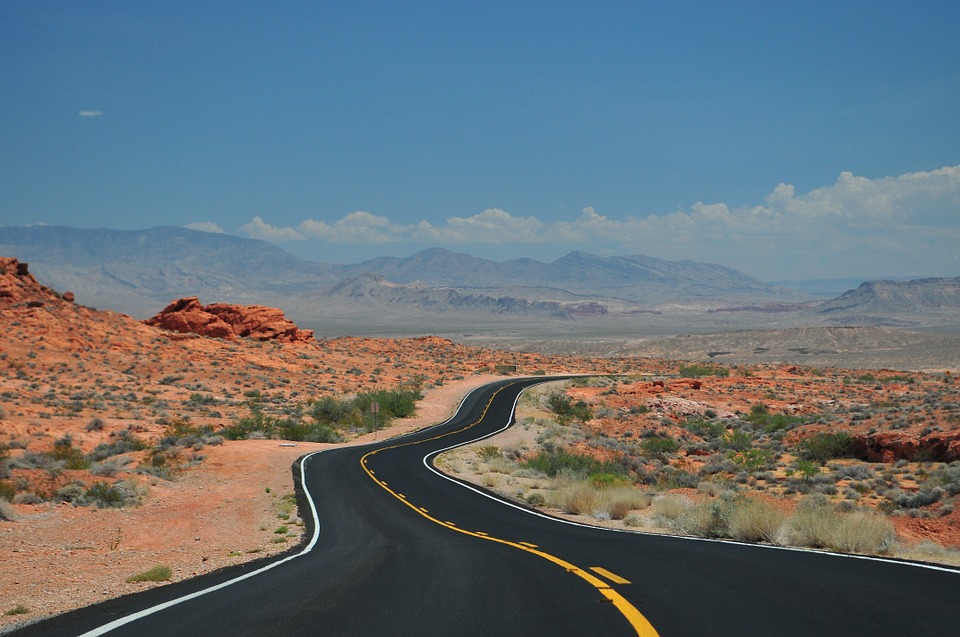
x=762, y=474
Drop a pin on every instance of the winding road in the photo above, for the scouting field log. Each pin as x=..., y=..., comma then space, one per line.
x=401, y=549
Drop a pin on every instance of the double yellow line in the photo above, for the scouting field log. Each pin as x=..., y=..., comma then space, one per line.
x=628, y=610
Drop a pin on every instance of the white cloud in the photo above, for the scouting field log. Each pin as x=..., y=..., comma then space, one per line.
x=90, y=114
x=356, y=227
x=891, y=222
x=259, y=229
x=205, y=226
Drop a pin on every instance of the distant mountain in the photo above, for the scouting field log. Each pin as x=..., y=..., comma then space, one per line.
x=903, y=303
x=374, y=291
x=637, y=278
x=140, y=271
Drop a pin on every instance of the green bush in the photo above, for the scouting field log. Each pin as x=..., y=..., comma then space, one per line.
x=72, y=457
x=708, y=429
x=125, y=442
x=566, y=410
x=821, y=447
x=552, y=462
x=699, y=371
x=660, y=445
x=489, y=452
x=761, y=418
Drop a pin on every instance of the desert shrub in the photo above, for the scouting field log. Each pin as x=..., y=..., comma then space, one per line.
x=489, y=452
x=737, y=440
x=761, y=418
x=947, y=476
x=328, y=410
x=754, y=520
x=244, y=428
x=566, y=410
x=667, y=508
x=703, y=519
x=74, y=493
x=577, y=498
x=158, y=573
x=72, y=457
x=813, y=524
x=753, y=459
x=855, y=471
x=619, y=501
x=19, y=609
x=27, y=497
x=536, y=500
x=106, y=469
x=862, y=532
x=35, y=460
x=554, y=461
x=105, y=495
x=921, y=498
x=698, y=371
x=660, y=445
x=125, y=442
x=707, y=429
x=823, y=446
x=399, y=403
x=6, y=511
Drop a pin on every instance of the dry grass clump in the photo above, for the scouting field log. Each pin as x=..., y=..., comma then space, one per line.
x=813, y=524
x=929, y=551
x=863, y=532
x=6, y=511
x=159, y=573
x=754, y=520
x=576, y=498
x=668, y=508
x=618, y=502
x=603, y=502
x=817, y=524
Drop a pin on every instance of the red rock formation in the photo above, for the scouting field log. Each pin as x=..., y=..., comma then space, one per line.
x=17, y=285
x=227, y=321
x=889, y=446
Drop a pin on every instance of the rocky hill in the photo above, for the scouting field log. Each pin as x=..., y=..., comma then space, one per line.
x=373, y=290
x=139, y=271
x=904, y=303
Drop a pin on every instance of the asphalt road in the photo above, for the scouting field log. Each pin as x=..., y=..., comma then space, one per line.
x=402, y=550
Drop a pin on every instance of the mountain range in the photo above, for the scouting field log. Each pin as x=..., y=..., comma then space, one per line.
x=139, y=271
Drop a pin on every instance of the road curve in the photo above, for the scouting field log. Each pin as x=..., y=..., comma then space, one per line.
x=401, y=550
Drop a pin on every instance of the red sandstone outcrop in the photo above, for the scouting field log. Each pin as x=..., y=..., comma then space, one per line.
x=889, y=446
x=227, y=321
x=17, y=285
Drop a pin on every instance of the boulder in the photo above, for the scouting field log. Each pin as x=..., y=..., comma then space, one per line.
x=228, y=321
x=890, y=446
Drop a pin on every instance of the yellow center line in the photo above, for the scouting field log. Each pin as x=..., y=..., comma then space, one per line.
x=640, y=623
x=613, y=577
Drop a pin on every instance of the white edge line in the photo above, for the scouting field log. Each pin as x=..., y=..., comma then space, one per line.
x=173, y=602
x=508, y=503
x=122, y=621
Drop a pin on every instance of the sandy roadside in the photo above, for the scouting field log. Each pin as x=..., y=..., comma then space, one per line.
x=221, y=513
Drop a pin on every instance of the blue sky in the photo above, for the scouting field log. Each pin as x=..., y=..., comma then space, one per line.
x=789, y=140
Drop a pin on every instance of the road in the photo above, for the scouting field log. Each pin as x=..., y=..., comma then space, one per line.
x=402, y=550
